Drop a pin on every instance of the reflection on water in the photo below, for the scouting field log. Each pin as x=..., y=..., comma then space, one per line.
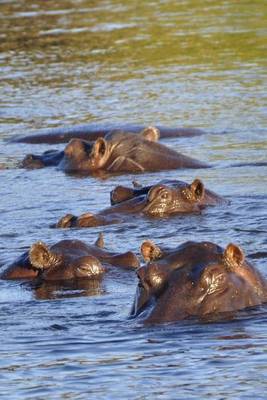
x=57, y=290
x=185, y=63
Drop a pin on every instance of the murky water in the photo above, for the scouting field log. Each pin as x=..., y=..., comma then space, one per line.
x=185, y=63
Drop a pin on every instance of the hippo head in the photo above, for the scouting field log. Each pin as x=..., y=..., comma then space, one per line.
x=195, y=280
x=54, y=266
x=82, y=155
x=165, y=199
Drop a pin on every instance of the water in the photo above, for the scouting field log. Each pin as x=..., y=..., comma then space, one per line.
x=184, y=63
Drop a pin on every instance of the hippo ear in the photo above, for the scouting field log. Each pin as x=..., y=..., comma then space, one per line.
x=42, y=258
x=151, y=133
x=66, y=222
x=100, y=147
x=197, y=189
x=233, y=255
x=100, y=241
x=150, y=251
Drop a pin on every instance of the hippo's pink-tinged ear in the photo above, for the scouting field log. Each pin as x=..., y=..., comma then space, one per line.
x=100, y=147
x=150, y=251
x=100, y=241
x=42, y=258
x=99, y=154
x=233, y=255
x=66, y=222
x=151, y=133
x=197, y=189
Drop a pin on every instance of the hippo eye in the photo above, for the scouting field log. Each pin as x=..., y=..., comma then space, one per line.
x=165, y=195
x=156, y=281
x=216, y=283
x=213, y=280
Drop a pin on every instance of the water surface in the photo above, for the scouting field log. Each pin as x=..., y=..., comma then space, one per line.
x=185, y=63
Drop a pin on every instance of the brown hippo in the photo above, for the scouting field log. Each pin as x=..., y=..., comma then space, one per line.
x=199, y=280
x=118, y=152
x=67, y=259
x=94, y=131
x=164, y=199
x=189, y=193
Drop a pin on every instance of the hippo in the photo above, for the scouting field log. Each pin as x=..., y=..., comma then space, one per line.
x=195, y=280
x=117, y=152
x=92, y=132
x=164, y=199
x=194, y=192
x=67, y=259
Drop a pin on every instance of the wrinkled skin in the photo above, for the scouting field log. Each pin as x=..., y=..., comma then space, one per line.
x=118, y=152
x=199, y=280
x=92, y=132
x=164, y=199
x=68, y=259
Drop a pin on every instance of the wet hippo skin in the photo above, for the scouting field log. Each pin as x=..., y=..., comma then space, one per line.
x=92, y=132
x=118, y=152
x=165, y=199
x=67, y=259
x=187, y=193
x=200, y=280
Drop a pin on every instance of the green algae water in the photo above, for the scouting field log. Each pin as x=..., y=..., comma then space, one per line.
x=186, y=63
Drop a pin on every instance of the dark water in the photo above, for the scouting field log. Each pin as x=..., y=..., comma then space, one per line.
x=185, y=63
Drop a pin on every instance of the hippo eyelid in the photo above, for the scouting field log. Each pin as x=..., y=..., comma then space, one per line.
x=164, y=193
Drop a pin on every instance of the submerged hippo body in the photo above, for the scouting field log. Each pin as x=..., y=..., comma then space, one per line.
x=199, y=280
x=68, y=259
x=118, y=152
x=164, y=199
x=92, y=132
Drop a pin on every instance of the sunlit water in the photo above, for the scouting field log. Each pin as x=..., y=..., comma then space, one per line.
x=185, y=63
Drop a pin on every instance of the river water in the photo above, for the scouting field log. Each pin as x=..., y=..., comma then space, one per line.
x=186, y=63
